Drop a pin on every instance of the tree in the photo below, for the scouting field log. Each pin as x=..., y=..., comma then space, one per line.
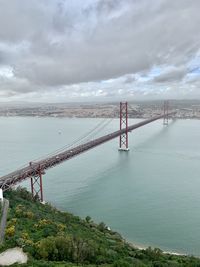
x=64, y=247
x=88, y=219
x=121, y=263
x=102, y=227
x=46, y=249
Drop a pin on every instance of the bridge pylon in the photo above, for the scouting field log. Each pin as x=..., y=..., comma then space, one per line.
x=36, y=182
x=123, y=138
x=166, y=111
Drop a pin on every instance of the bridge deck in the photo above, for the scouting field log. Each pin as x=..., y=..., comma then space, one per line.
x=17, y=176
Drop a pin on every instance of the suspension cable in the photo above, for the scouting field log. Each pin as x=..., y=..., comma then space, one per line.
x=74, y=142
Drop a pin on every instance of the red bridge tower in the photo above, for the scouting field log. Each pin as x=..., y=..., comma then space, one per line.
x=166, y=111
x=36, y=182
x=123, y=138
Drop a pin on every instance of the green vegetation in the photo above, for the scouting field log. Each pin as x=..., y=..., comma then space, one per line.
x=54, y=238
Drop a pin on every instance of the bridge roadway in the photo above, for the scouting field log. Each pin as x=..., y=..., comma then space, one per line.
x=32, y=170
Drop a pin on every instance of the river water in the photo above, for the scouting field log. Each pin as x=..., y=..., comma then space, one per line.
x=151, y=194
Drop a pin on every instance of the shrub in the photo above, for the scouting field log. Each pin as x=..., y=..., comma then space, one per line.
x=23, y=193
x=19, y=211
x=88, y=219
x=121, y=263
x=46, y=249
x=29, y=215
x=25, y=235
x=61, y=227
x=10, y=231
x=102, y=227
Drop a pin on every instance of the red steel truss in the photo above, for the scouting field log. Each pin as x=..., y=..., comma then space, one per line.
x=35, y=170
x=36, y=183
x=123, y=138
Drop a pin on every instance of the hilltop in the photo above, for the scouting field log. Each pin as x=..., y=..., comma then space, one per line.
x=54, y=238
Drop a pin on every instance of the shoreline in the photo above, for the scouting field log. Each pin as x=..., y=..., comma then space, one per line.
x=88, y=117
x=143, y=247
x=133, y=244
x=136, y=245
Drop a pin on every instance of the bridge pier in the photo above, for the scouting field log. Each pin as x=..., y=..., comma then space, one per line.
x=36, y=183
x=123, y=138
x=166, y=111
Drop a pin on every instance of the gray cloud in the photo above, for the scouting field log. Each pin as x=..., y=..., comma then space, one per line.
x=129, y=79
x=107, y=6
x=52, y=44
x=171, y=75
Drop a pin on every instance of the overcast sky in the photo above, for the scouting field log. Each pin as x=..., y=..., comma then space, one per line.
x=81, y=50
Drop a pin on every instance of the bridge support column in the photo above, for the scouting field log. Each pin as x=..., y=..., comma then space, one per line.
x=166, y=111
x=123, y=138
x=36, y=183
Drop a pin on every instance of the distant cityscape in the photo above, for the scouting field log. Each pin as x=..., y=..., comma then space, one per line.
x=186, y=109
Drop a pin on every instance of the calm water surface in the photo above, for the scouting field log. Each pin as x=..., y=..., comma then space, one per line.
x=151, y=194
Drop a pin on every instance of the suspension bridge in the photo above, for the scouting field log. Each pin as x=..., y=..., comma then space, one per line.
x=36, y=169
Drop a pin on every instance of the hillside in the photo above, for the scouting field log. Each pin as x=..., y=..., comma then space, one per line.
x=55, y=238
